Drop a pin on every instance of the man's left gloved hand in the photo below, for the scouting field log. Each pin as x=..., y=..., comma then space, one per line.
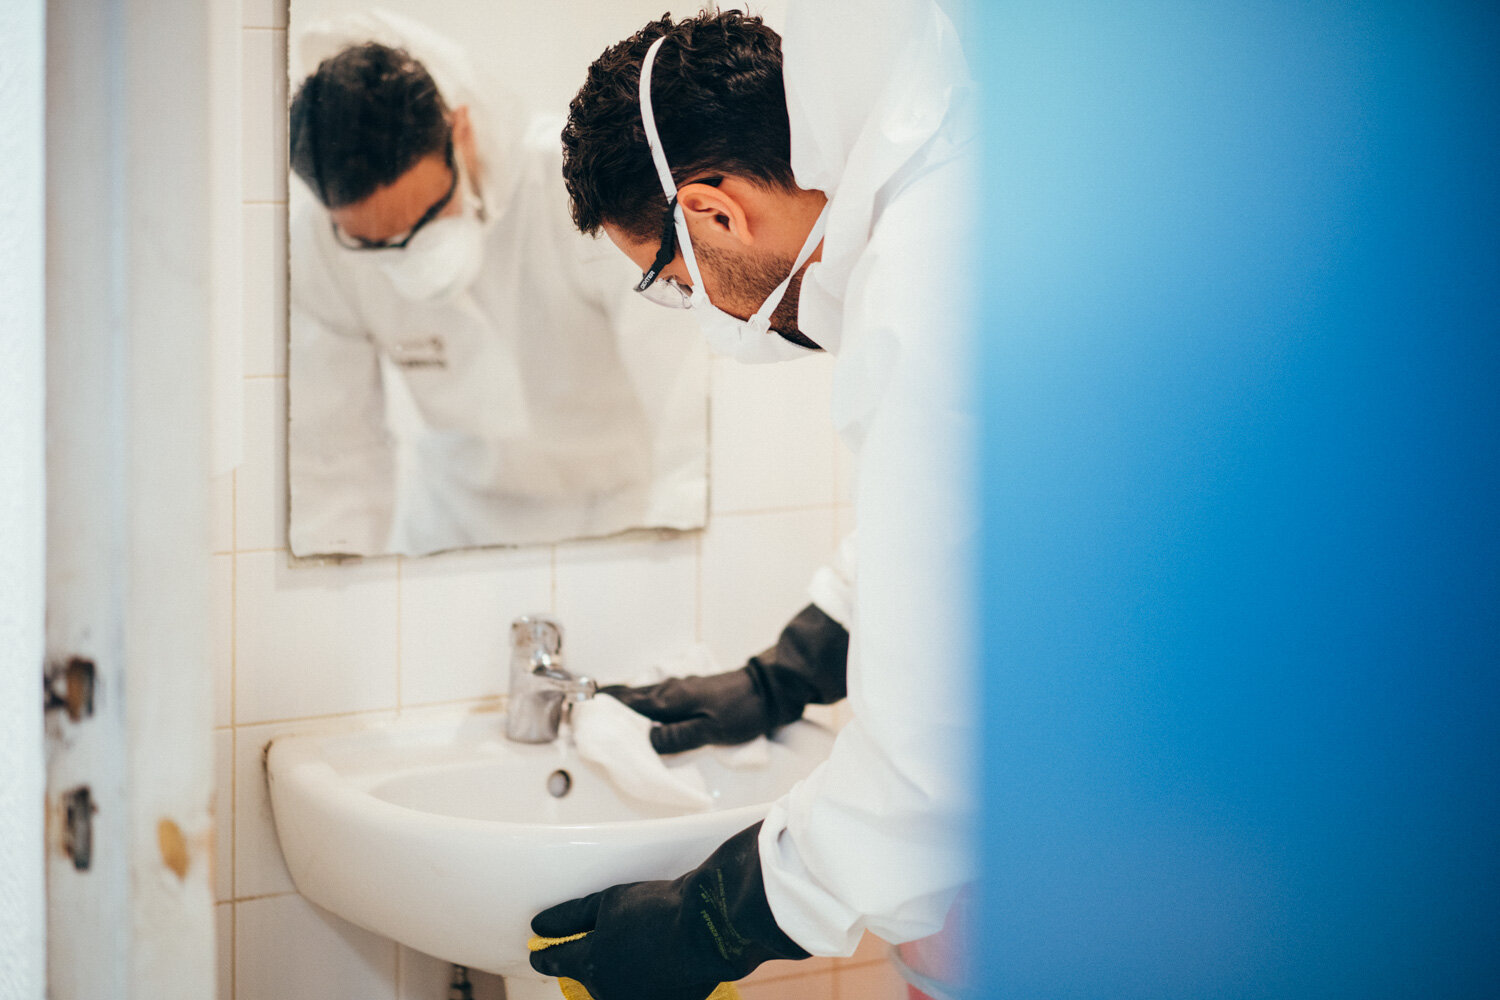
x=674, y=940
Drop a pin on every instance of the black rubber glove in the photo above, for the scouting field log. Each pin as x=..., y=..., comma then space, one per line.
x=674, y=940
x=808, y=665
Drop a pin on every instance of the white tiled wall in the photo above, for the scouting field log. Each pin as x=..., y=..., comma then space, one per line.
x=346, y=643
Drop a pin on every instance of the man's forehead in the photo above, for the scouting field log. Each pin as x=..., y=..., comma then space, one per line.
x=640, y=251
x=642, y=254
x=394, y=208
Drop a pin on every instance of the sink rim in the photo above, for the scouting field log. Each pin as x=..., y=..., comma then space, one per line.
x=297, y=757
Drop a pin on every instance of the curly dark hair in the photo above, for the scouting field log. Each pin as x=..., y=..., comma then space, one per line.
x=720, y=108
x=361, y=120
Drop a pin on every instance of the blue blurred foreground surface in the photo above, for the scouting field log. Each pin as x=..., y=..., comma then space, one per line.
x=1241, y=380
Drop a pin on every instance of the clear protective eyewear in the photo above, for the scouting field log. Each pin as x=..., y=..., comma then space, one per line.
x=666, y=291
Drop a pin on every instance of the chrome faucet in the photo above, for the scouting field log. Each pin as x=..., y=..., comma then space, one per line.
x=540, y=689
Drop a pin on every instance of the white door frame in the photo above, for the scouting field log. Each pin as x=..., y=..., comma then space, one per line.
x=130, y=259
x=22, y=573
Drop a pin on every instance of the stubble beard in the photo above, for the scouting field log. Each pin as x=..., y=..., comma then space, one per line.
x=747, y=280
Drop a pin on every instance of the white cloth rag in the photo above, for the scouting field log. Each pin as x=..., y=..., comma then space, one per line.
x=618, y=739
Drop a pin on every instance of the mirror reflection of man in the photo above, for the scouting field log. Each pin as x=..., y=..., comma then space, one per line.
x=804, y=192
x=435, y=273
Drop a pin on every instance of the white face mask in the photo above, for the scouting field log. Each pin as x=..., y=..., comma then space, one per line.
x=443, y=258
x=749, y=340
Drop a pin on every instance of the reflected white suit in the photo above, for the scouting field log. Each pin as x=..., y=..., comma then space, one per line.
x=878, y=837
x=553, y=401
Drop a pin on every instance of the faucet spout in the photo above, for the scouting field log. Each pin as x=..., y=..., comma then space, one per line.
x=580, y=689
x=541, y=690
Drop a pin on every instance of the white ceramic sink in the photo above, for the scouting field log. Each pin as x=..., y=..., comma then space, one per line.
x=443, y=835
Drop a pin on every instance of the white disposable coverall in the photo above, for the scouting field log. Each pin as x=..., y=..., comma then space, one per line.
x=877, y=837
x=556, y=402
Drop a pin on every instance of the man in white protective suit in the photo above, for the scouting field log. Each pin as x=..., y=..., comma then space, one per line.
x=433, y=261
x=799, y=193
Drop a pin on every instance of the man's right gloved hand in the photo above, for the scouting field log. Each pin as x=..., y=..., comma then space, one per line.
x=808, y=665
x=669, y=940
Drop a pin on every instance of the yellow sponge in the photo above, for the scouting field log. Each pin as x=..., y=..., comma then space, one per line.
x=572, y=989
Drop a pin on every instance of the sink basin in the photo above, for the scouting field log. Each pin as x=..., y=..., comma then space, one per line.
x=447, y=837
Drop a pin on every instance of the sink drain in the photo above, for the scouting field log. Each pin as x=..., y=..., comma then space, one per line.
x=559, y=783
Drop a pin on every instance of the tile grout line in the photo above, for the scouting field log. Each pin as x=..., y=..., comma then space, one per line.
x=234, y=684
x=331, y=716
x=552, y=583
x=400, y=700
x=234, y=790
x=698, y=595
x=234, y=592
x=266, y=895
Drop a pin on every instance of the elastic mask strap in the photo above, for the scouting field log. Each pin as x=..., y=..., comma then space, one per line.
x=814, y=237
x=648, y=119
x=663, y=172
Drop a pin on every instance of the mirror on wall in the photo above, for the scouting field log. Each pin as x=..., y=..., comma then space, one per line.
x=466, y=369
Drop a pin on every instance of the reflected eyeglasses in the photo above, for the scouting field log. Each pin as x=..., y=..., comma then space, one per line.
x=394, y=243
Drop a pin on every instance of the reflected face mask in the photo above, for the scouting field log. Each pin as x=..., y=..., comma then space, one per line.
x=749, y=340
x=441, y=260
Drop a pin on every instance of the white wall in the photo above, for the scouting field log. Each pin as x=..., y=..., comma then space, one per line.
x=22, y=564
x=539, y=52
x=373, y=639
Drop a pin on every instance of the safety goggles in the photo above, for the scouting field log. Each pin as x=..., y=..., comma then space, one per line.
x=666, y=291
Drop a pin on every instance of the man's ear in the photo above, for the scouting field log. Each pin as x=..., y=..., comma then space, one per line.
x=463, y=131
x=463, y=139
x=716, y=215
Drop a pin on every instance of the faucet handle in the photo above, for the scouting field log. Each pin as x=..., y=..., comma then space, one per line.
x=536, y=632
